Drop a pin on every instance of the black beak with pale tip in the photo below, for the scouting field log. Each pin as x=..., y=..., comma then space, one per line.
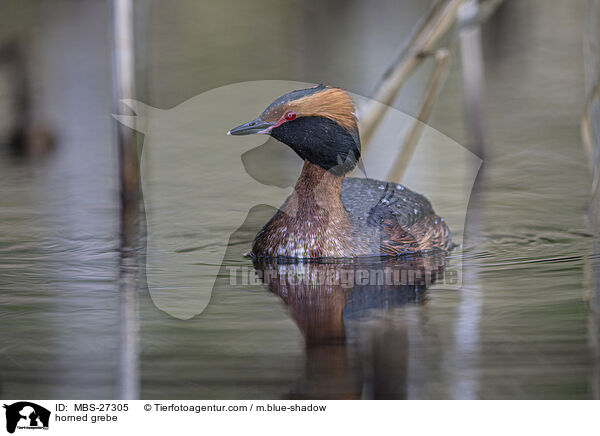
x=252, y=128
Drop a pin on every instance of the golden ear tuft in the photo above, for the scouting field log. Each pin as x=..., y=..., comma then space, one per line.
x=333, y=103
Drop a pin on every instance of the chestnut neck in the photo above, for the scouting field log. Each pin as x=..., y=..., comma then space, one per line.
x=318, y=187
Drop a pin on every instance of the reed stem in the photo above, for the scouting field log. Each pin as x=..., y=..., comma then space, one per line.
x=438, y=78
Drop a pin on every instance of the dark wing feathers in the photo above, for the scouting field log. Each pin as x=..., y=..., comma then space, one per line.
x=404, y=219
x=373, y=199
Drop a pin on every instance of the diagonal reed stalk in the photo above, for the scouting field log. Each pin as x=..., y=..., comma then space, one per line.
x=440, y=73
x=424, y=36
x=429, y=30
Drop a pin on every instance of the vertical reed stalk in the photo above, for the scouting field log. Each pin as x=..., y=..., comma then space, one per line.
x=472, y=73
x=590, y=135
x=124, y=87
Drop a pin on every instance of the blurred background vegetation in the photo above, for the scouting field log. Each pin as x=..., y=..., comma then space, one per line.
x=522, y=327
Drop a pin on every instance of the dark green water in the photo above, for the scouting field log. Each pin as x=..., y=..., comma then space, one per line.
x=519, y=327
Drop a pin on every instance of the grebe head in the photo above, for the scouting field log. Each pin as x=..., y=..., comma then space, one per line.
x=318, y=123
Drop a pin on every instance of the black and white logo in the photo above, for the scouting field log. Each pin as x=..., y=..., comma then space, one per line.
x=26, y=415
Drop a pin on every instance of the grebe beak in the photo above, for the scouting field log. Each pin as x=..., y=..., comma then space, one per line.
x=253, y=127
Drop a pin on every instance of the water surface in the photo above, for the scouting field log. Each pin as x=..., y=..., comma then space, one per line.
x=519, y=327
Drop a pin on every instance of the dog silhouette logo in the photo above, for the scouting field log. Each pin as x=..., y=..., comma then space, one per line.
x=26, y=415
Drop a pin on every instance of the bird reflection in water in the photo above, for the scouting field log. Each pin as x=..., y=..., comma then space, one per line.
x=339, y=306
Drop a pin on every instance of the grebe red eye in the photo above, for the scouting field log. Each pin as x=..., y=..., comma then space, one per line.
x=290, y=116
